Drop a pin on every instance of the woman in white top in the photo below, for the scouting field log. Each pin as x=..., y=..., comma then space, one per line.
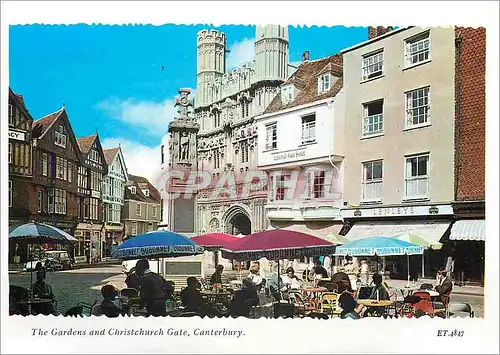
x=255, y=277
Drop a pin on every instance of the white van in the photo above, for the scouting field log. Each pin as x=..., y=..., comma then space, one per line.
x=173, y=269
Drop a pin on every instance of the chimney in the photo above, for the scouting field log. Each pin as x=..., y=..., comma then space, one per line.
x=378, y=31
x=305, y=56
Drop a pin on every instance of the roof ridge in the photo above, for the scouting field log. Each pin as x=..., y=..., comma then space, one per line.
x=58, y=111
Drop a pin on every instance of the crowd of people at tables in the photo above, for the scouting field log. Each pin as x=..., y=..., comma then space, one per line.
x=154, y=291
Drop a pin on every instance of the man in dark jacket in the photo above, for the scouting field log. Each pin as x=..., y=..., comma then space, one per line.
x=154, y=290
x=191, y=297
x=444, y=286
x=244, y=299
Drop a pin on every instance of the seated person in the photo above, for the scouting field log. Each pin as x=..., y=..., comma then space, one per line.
x=320, y=270
x=350, y=308
x=240, y=305
x=255, y=277
x=444, y=287
x=43, y=290
x=380, y=290
x=110, y=305
x=216, y=278
x=290, y=279
x=343, y=282
x=191, y=297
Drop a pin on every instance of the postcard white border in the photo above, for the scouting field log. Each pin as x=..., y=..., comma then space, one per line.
x=269, y=336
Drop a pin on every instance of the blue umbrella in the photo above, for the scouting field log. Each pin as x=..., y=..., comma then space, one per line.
x=157, y=244
x=381, y=246
x=41, y=233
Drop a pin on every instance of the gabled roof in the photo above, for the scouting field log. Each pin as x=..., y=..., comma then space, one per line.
x=85, y=143
x=20, y=101
x=142, y=183
x=20, y=98
x=110, y=154
x=307, y=75
x=47, y=121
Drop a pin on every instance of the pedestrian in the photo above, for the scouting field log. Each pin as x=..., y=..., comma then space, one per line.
x=87, y=254
x=154, y=289
x=94, y=255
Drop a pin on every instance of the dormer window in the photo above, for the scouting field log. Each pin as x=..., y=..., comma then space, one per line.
x=324, y=83
x=60, y=136
x=146, y=192
x=133, y=190
x=287, y=94
x=94, y=156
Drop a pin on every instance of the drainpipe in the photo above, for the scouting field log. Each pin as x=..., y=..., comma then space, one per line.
x=458, y=107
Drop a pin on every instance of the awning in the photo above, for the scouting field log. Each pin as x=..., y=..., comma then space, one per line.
x=429, y=230
x=316, y=229
x=469, y=229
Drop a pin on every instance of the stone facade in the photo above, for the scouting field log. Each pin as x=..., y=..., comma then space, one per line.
x=226, y=105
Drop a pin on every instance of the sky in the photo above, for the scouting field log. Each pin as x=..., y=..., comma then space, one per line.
x=121, y=81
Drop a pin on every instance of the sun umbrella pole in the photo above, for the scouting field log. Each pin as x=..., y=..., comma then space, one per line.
x=408, y=267
x=423, y=268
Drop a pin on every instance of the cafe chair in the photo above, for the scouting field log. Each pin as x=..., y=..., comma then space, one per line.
x=364, y=292
x=97, y=310
x=76, y=311
x=460, y=309
x=329, y=304
x=18, y=294
x=423, y=295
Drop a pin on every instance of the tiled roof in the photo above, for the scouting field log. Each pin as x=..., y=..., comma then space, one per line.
x=86, y=142
x=110, y=154
x=142, y=183
x=46, y=121
x=306, y=81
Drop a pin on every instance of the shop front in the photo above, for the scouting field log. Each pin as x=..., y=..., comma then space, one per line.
x=89, y=237
x=113, y=236
x=431, y=222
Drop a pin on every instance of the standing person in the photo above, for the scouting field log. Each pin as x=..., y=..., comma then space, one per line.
x=87, y=253
x=364, y=272
x=352, y=271
x=94, y=255
x=450, y=264
x=216, y=278
x=154, y=290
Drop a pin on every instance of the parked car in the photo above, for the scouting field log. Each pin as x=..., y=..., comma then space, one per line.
x=52, y=260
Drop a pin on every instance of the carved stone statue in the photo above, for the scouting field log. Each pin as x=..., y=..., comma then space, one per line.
x=185, y=103
x=184, y=146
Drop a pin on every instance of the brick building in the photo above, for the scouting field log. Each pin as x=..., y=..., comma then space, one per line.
x=468, y=232
x=56, y=159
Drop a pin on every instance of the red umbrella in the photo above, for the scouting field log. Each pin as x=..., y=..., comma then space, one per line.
x=214, y=240
x=277, y=244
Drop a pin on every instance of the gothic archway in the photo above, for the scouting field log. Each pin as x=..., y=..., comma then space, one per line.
x=237, y=220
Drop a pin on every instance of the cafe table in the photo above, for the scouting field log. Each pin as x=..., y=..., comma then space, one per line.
x=377, y=304
x=405, y=290
x=35, y=301
x=216, y=297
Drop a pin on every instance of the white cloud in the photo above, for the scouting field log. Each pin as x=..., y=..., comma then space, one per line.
x=240, y=52
x=152, y=117
x=140, y=159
